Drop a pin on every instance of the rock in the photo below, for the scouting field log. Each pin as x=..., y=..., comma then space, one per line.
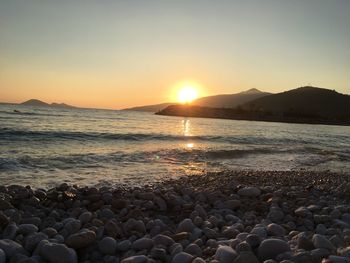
x=124, y=245
x=143, y=243
x=337, y=259
x=4, y=205
x=275, y=215
x=194, y=250
x=198, y=260
x=10, y=247
x=57, y=253
x=133, y=225
x=249, y=191
x=81, y=239
x=246, y=257
x=185, y=225
x=85, y=217
x=72, y=226
x=32, y=240
x=135, y=259
x=27, y=229
x=3, y=220
x=2, y=256
x=225, y=254
x=305, y=243
x=108, y=245
x=270, y=248
x=163, y=240
x=160, y=203
x=113, y=230
x=159, y=253
x=275, y=230
x=118, y=204
x=182, y=257
x=321, y=241
x=10, y=231
x=303, y=212
x=232, y=204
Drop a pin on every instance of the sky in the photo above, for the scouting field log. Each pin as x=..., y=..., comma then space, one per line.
x=116, y=54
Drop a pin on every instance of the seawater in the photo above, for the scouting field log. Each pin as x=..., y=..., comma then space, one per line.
x=43, y=147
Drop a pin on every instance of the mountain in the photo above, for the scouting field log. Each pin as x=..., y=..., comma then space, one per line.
x=216, y=101
x=308, y=101
x=39, y=103
x=230, y=100
x=151, y=108
x=302, y=105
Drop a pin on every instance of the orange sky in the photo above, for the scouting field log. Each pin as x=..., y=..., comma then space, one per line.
x=119, y=54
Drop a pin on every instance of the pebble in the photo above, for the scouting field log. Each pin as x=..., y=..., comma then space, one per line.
x=27, y=229
x=320, y=241
x=81, y=239
x=2, y=256
x=85, y=217
x=270, y=248
x=143, y=243
x=225, y=254
x=135, y=259
x=185, y=226
x=182, y=257
x=57, y=253
x=10, y=247
x=249, y=191
x=275, y=230
x=107, y=245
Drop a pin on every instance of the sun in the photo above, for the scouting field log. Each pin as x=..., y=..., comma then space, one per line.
x=187, y=94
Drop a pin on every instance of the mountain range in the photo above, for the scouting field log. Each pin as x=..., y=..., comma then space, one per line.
x=302, y=105
x=39, y=103
x=216, y=101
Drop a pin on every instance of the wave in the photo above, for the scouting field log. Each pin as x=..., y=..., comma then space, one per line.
x=27, y=113
x=10, y=134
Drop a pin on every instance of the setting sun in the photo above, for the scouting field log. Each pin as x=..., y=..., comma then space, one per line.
x=188, y=94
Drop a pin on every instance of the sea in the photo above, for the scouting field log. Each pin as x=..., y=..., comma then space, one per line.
x=45, y=146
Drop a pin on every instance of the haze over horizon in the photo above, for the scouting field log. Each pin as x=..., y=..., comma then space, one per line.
x=118, y=54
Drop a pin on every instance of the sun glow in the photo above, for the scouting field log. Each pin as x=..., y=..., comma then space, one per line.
x=187, y=94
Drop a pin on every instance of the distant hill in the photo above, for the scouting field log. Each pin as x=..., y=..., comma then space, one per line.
x=308, y=101
x=230, y=100
x=39, y=103
x=302, y=105
x=151, y=108
x=216, y=101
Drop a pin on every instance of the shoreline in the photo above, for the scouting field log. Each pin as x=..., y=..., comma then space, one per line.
x=232, y=216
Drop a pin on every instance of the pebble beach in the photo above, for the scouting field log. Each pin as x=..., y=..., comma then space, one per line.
x=222, y=217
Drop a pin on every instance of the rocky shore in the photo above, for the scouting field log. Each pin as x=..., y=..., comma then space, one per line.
x=240, y=217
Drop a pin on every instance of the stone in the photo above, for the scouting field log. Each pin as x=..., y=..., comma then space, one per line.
x=270, y=248
x=32, y=240
x=107, y=246
x=135, y=259
x=163, y=240
x=133, y=225
x=249, y=191
x=27, y=229
x=225, y=254
x=2, y=256
x=232, y=204
x=124, y=245
x=10, y=247
x=275, y=230
x=10, y=231
x=305, y=243
x=198, y=260
x=4, y=205
x=72, y=226
x=276, y=215
x=338, y=259
x=182, y=257
x=246, y=257
x=57, y=253
x=143, y=244
x=194, y=250
x=185, y=225
x=113, y=230
x=303, y=212
x=85, y=217
x=81, y=239
x=321, y=241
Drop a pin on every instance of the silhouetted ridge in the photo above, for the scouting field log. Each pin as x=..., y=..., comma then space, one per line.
x=301, y=105
x=39, y=103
